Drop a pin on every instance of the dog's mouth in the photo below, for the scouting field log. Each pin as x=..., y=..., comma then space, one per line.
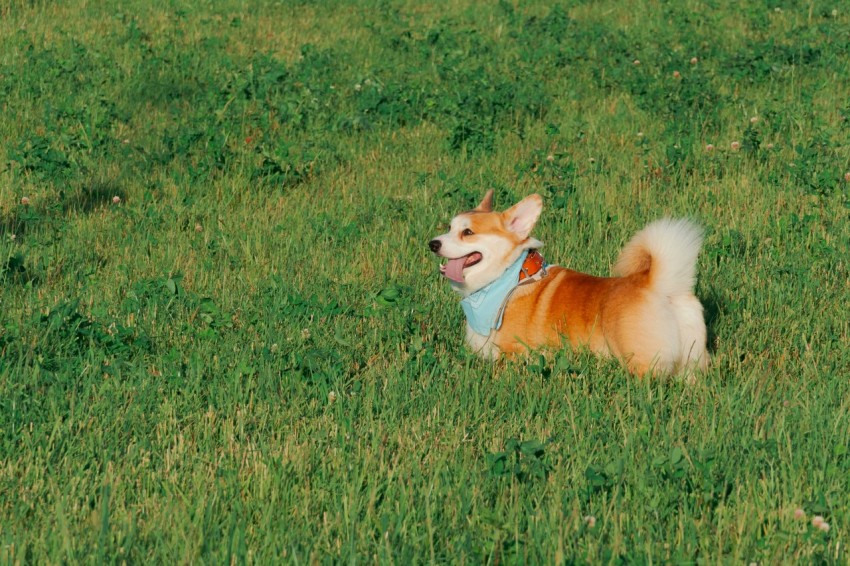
x=453, y=269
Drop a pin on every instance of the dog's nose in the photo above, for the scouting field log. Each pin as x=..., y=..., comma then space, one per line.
x=435, y=245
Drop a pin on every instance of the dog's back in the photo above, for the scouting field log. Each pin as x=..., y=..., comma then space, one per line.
x=647, y=315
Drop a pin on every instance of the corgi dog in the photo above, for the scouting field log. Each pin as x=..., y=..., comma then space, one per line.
x=646, y=315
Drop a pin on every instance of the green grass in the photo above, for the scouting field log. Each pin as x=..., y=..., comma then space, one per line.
x=252, y=357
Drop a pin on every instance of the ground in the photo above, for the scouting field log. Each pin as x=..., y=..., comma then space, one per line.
x=224, y=339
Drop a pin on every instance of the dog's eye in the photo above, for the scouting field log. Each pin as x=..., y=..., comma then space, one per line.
x=467, y=232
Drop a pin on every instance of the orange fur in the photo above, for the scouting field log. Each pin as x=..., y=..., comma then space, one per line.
x=601, y=313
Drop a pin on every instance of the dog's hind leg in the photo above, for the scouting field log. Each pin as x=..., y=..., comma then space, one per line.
x=645, y=336
x=692, y=333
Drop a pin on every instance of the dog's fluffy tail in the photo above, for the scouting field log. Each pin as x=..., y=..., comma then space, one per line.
x=667, y=249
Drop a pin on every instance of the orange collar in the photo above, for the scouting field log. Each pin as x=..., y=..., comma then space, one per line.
x=533, y=263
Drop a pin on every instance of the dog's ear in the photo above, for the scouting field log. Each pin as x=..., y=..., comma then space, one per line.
x=521, y=217
x=486, y=205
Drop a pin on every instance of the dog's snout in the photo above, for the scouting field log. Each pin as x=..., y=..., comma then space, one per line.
x=435, y=245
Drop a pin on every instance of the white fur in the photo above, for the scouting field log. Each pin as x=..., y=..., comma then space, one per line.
x=497, y=253
x=692, y=332
x=481, y=345
x=523, y=215
x=674, y=245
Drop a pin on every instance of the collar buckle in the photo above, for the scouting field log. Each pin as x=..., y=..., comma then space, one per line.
x=533, y=264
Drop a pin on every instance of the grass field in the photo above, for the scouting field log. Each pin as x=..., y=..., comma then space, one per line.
x=224, y=339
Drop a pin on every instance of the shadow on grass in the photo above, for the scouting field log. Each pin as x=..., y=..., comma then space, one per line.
x=11, y=225
x=15, y=272
x=712, y=307
x=18, y=222
x=92, y=195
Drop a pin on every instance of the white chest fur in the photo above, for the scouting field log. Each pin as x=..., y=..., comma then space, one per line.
x=481, y=345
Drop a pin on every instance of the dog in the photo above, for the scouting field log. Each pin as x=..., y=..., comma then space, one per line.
x=646, y=315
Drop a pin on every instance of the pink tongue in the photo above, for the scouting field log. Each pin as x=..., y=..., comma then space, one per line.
x=454, y=269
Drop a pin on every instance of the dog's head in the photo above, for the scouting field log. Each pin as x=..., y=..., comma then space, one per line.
x=481, y=244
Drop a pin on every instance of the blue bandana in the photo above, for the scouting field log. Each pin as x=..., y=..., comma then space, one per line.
x=483, y=308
